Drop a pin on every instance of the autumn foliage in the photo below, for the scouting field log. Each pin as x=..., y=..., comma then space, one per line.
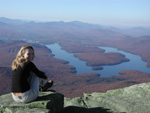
x=66, y=81
x=82, y=40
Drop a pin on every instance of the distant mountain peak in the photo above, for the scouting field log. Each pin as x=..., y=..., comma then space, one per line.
x=11, y=21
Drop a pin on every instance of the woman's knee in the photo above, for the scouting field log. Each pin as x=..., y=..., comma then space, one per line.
x=34, y=84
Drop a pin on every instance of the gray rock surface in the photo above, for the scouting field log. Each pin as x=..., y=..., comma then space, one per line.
x=133, y=99
x=47, y=102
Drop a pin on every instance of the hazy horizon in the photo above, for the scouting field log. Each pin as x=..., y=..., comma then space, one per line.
x=103, y=12
x=103, y=25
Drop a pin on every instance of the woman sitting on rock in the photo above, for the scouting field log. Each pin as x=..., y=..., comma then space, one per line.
x=26, y=77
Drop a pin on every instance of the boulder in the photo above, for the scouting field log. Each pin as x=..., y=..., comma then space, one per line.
x=47, y=102
x=133, y=99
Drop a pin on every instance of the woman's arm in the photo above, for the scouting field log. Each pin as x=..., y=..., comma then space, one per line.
x=35, y=70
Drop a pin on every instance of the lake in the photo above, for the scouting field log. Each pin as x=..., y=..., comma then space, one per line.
x=135, y=62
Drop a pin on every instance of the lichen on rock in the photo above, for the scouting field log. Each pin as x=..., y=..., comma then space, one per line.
x=133, y=99
x=47, y=102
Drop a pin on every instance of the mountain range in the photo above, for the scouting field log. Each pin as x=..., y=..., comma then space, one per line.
x=19, y=29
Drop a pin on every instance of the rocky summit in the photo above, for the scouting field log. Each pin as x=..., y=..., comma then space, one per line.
x=47, y=102
x=133, y=99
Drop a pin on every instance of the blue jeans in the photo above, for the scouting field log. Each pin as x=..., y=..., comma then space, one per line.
x=31, y=94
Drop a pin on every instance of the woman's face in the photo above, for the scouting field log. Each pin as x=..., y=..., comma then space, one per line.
x=29, y=54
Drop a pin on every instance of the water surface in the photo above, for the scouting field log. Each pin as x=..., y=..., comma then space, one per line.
x=135, y=62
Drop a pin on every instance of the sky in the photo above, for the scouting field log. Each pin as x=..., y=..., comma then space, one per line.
x=103, y=12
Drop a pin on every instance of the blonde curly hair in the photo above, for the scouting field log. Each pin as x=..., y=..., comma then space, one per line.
x=19, y=57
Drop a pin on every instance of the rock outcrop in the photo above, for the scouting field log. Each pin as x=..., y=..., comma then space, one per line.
x=47, y=102
x=133, y=99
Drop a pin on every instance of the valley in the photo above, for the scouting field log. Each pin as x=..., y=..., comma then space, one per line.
x=73, y=37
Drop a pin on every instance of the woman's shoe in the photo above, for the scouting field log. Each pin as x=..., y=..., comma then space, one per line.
x=46, y=86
